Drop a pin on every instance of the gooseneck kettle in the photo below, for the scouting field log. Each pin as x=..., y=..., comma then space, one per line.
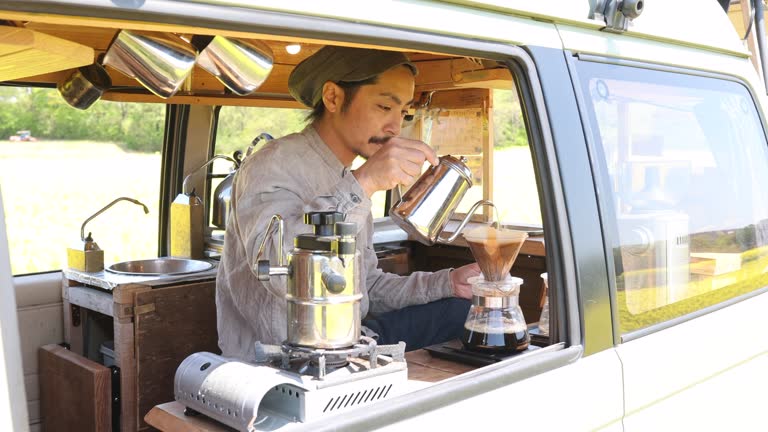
x=425, y=208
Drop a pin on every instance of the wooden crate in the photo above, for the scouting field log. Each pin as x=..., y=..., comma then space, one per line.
x=170, y=324
x=154, y=329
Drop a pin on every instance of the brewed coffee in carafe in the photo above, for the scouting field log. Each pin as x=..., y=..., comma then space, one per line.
x=495, y=323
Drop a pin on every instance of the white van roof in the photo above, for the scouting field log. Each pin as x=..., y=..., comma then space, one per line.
x=689, y=22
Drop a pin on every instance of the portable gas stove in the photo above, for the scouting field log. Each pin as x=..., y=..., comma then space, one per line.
x=324, y=366
x=288, y=384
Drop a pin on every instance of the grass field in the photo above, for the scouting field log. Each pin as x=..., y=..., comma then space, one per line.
x=640, y=308
x=50, y=187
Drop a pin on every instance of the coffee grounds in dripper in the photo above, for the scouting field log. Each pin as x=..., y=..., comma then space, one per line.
x=494, y=249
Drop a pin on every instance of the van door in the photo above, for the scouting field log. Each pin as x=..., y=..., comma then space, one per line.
x=13, y=410
x=683, y=163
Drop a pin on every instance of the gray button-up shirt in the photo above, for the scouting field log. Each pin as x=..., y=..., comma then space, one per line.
x=291, y=176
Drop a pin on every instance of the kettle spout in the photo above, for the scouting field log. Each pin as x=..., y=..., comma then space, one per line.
x=464, y=222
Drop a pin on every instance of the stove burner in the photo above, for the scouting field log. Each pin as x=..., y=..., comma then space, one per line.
x=331, y=361
x=319, y=362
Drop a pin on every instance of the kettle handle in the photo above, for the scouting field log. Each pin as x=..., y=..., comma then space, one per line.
x=263, y=136
x=280, y=230
x=463, y=223
x=262, y=268
x=440, y=159
x=426, y=138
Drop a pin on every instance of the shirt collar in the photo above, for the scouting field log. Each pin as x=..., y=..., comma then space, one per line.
x=319, y=146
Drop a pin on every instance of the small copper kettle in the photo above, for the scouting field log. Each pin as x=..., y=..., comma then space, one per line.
x=425, y=208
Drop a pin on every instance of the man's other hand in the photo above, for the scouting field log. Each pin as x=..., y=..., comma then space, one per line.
x=459, y=276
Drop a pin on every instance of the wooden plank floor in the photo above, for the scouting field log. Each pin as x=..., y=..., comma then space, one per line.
x=169, y=417
x=423, y=367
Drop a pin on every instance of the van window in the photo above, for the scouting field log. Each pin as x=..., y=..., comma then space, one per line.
x=60, y=165
x=514, y=180
x=501, y=159
x=488, y=130
x=686, y=162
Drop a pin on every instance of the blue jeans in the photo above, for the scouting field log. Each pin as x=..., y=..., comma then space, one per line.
x=422, y=325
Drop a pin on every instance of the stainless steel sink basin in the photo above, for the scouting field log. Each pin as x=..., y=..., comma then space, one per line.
x=159, y=267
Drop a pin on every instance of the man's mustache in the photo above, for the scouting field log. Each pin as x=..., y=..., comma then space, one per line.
x=379, y=140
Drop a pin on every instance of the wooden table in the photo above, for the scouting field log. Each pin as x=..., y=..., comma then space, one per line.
x=169, y=417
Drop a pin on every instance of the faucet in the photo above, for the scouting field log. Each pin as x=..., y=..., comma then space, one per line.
x=186, y=179
x=82, y=228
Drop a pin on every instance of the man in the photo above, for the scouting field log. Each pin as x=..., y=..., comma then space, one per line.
x=358, y=99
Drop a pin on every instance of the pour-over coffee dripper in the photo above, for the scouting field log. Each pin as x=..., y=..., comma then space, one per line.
x=495, y=322
x=495, y=249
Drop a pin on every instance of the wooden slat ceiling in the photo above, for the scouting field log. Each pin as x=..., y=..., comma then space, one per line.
x=436, y=71
x=24, y=52
x=100, y=38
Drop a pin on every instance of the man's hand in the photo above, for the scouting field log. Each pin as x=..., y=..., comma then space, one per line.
x=459, y=276
x=399, y=161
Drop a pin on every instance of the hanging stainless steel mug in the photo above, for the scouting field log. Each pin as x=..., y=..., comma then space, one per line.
x=84, y=86
x=424, y=210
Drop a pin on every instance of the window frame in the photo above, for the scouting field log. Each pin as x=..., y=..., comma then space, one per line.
x=602, y=186
x=568, y=320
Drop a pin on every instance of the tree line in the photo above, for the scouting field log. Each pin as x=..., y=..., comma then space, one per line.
x=43, y=112
x=140, y=127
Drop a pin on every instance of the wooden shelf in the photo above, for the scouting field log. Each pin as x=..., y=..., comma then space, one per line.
x=25, y=52
x=202, y=99
x=499, y=78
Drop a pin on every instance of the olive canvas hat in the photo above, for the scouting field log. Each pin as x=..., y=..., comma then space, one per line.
x=335, y=64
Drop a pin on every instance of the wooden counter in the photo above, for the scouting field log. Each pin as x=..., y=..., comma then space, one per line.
x=422, y=366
